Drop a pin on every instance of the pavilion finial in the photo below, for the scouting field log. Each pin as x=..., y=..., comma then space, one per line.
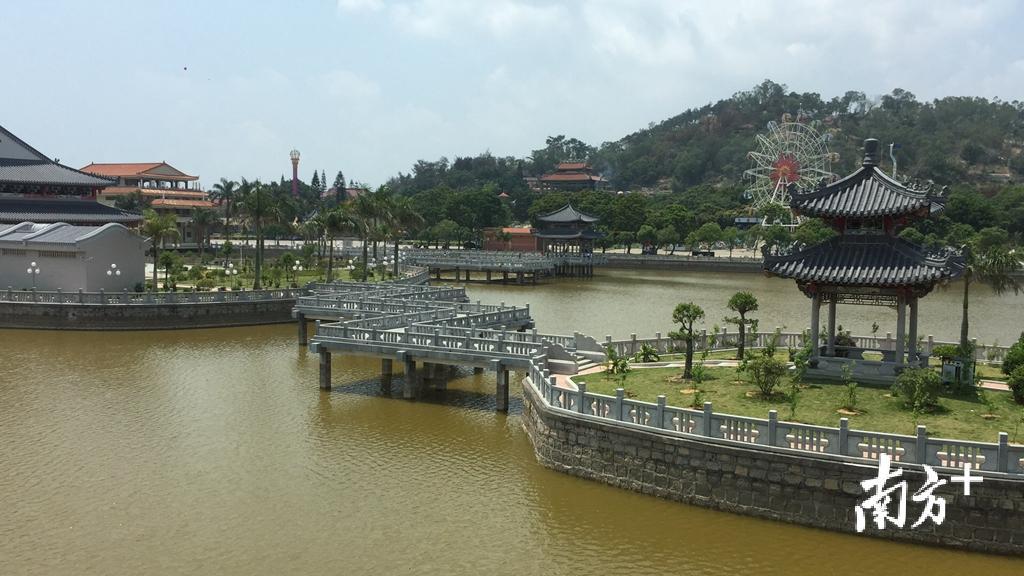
x=871, y=152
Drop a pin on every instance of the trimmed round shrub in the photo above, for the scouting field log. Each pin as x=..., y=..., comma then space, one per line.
x=1014, y=356
x=918, y=388
x=1016, y=383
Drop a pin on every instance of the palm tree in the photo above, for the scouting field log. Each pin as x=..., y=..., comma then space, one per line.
x=225, y=191
x=364, y=212
x=403, y=218
x=259, y=209
x=994, y=267
x=158, y=227
x=202, y=219
x=336, y=221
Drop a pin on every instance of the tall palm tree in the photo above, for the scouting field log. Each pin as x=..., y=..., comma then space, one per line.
x=337, y=221
x=403, y=218
x=202, y=219
x=364, y=212
x=158, y=227
x=226, y=191
x=994, y=267
x=259, y=208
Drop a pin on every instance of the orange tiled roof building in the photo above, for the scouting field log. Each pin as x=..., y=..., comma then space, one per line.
x=572, y=176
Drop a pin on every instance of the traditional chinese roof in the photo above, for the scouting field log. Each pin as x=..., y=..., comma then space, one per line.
x=572, y=172
x=865, y=260
x=27, y=233
x=23, y=164
x=15, y=210
x=868, y=192
x=566, y=214
x=155, y=192
x=155, y=170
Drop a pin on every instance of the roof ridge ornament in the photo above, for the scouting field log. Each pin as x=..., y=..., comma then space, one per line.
x=871, y=154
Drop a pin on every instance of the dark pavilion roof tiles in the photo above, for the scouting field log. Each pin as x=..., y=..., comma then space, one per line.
x=23, y=164
x=865, y=260
x=566, y=214
x=74, y=211
x=867, y=192
x=569, y=234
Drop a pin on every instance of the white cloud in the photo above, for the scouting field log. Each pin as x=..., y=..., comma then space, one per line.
x=360, y=5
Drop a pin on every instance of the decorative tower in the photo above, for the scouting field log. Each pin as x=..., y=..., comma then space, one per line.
x=294, y=155
x=866, y=263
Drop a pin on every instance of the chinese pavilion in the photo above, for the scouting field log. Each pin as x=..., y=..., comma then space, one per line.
x=866, y=263
x=568, y=233
x=572, y=176
x=34, y=188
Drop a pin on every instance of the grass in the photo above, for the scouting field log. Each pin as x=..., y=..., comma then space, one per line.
x=957, y=417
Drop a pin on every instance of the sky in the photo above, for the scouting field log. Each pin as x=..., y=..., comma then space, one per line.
x=224, y=88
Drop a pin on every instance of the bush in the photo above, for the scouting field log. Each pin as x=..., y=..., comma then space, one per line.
x=1016, y=383
x=766, y=372
x=1014, y=356
x=946, y=351
x=647, y=353
x=919, y=388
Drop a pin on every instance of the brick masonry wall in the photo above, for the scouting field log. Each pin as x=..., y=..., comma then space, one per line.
x=143, y=316
x=813, y=491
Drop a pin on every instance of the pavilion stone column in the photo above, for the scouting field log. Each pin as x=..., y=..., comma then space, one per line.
x=831, y=326
x=912, y=337
x=815, y=310
x=901, y=328
x=410, y=385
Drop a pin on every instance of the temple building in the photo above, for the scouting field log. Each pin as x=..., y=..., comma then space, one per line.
x=34, y=188
x=164, y=187
x=568, y=233
x=866, y=263
x=510, y=239
x=572, y=176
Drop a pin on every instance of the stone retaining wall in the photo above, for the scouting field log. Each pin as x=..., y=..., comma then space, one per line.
x=722, y=264
x=43, y=316
x=813, y=491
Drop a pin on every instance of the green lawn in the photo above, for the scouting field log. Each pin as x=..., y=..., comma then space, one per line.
x=958, y=417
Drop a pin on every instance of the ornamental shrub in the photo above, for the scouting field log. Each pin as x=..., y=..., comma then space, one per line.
x=1016, y=383
x=766, y=372
x=1014, y=356
x=919, y=388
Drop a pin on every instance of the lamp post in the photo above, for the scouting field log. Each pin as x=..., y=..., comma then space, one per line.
x=33, y=271
x=295, y=272
x=113, y=271
x=294, y=155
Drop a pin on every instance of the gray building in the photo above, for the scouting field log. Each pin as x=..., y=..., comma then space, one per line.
x=71, y=258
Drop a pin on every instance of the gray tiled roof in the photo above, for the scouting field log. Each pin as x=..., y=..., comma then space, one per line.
x=867, y=192
x=566, y=214
x=868, y=260
x=59, y=233
x=16, y=210
x=569, y=234
x=30, y=172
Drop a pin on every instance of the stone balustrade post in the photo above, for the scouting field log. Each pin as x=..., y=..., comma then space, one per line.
x=581, y=392
x=930, y=345
x=1003, y=453
x=844, y=436
x=632, y=344
x=620, y=394
x=659, y=412
x=707, y=419
x=103, y=296
x=921, y=446
x=773, y=427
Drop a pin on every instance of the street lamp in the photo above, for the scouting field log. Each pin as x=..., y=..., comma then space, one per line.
x=33, y=271
x=295, y=271
x=113, y=271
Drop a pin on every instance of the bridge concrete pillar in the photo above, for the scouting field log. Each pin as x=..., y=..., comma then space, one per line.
x=478, y=370
x=501, y=387
x=440, y=379
x=519, y=277
x=301, y=319
x=325, y=369
x=488, y=275
x=504, y=277
x=411, y=384
x=386, y=374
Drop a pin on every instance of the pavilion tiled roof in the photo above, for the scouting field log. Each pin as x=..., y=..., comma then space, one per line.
x=122, y=169
x=569, y=234
x=865, y=260
x=44, y=210
x=566, y=214
x=867, y=192
x=23, y=164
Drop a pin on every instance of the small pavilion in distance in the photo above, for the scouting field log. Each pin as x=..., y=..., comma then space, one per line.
x=568, y=233
x=867, y=264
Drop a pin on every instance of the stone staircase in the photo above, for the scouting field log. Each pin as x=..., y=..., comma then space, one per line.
x=583, y=363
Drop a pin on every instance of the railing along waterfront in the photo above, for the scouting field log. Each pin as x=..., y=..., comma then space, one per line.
x=771, y=433
x=147, y=298
x=725, y=340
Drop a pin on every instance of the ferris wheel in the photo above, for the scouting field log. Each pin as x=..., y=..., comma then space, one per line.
x=788, y=153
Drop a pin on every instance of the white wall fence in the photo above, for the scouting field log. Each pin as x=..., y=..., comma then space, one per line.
x=842, y=442
x=147, y=298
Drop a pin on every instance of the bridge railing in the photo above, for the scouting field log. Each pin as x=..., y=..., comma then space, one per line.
x=147, y=298
x=1000, y=457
